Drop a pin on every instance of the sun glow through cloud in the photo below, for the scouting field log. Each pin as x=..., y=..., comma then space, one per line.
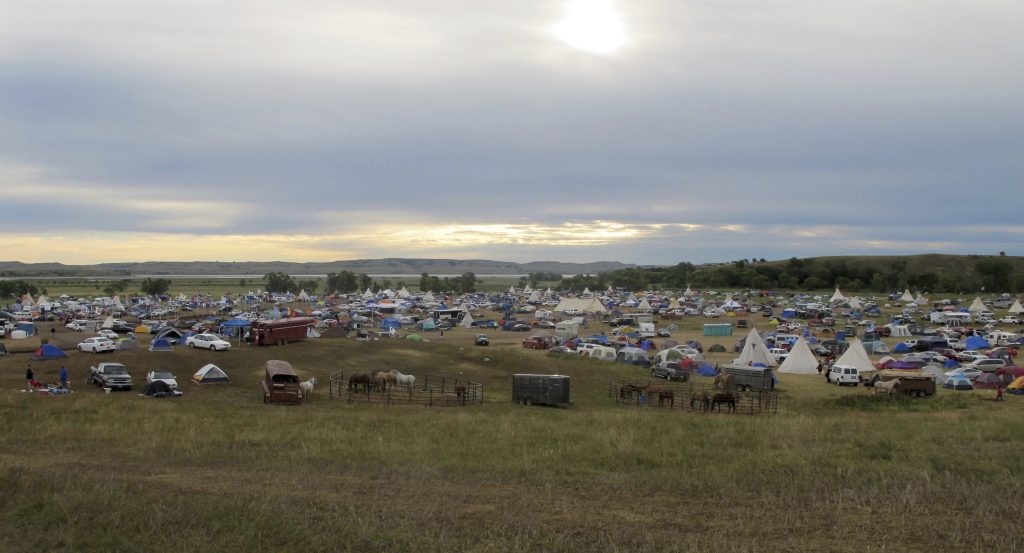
x=593, y=26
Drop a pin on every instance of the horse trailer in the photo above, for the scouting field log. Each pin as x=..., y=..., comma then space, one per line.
x=540, y=389
x=281, y=331
x=749, y=378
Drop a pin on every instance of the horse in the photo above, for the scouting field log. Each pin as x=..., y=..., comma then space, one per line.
x=665, y=395
x=728, y=399
x=723, y=381
x=406, y=380
x=700, y=398
x=384, y=380
x=307, y=387
x=460, y=391
x=357, y=380
x=886, y=387
x=627, y=390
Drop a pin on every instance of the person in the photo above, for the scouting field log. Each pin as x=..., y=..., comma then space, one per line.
x=29, y=377
x=63, y=377
x=999, y=393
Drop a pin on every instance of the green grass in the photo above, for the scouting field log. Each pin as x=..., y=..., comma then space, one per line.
x=217, y=470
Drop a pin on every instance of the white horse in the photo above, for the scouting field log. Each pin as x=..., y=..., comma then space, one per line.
x=886, y=388
x=404, y=379
x=307, y=387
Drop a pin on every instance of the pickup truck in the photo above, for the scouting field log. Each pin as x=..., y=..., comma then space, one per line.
x=110, y=375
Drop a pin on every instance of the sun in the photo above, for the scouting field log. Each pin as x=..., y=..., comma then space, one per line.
x=593, y=26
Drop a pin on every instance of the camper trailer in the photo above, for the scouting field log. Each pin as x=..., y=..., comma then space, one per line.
x=998, y=338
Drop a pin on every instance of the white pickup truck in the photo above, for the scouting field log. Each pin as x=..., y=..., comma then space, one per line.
x=110, y=375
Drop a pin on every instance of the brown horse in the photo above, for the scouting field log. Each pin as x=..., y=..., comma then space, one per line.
x=727, y=399
x=666, y=396
x=723, y=381
x=360, y=380
x=460, y=391
x=700, y=398
x=384, y=380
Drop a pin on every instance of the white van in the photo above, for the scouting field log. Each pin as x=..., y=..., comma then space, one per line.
x=842, y=374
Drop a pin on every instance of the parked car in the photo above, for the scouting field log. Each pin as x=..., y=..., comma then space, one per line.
x=521, y=327
x=107, y=333
x=970, y=372
x=97, y=344
x=670, y=371
x=545, y=324
x=780, y=354
x=166, y=376
x=1010, y=320
x=841, y=374
x=987, y=365
x=211, y=342
x=970, y=355
x=481, y=340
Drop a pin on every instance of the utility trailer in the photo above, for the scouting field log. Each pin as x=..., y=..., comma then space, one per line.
x=540, y=389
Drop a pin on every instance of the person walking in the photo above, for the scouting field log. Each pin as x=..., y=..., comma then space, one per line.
x=63, y=377
x=29, y=377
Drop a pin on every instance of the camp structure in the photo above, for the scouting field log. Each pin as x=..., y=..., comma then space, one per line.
x=467, y=321
x=800, y=360
x=856, y=357
x=168, y=333
x=1016, y=308
x=161, y=344
x=644, y=305
x=837, y=297
x=580, y=305
x=755, y=352
x=48, y=351
x=127, y=343
x=210, y=374
x=977, y=306
x=907, y=296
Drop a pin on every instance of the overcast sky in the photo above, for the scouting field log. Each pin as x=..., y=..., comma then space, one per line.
x=643, y=131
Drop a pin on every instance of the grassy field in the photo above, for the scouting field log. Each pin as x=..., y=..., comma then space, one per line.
x=217, y=470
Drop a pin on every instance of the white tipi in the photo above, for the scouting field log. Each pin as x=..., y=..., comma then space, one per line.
x=800, y=360
x=1016, y=308
x=977, y=306
x=754, y=351
x=856, y=356
x=837, y=297
x=467, y=320
x=907, y=296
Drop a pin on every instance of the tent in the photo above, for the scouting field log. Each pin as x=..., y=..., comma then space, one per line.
x=855, y=356
x=127, y=343
x=1017, y=386
x=907, y=296
x=977, y=306
x=958, y=382
x=976, y=343
x=428, y=324
x=875, y=347
x=992, y=380
x=48, y=351
x=898, y=330
x=937, y=372
x=788, y=313
x=161, y=344
x=168, y=333
x=837, y=297
x=901, y=348
x=800, y=360
x=1016, y=308
x=644, y=305
x=159, y=389
x=210, y=374
x=108, y=323
x=467, y=321
x=414, y=338
x=754, y=351
x=390, y=323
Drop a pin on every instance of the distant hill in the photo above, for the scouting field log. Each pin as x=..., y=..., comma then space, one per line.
x=388, y=266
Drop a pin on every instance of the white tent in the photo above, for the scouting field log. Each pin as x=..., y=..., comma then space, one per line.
x=898, y=330
x=368, y=294
x=920, y=299
x=856, y=304
x=511, y=289
x=467, y=320
x=754, y=351
x=1016, y=308
x=632, y=298
x=303, y=296
x=644, y=305
x=688, y=292
x=977, y=306
x=837, y=297
x=534, y=297
x=208, y=374
x=907, y=296
x=587, y=292
x=428, y=297
x=855, y=356
x=527, y=290
x=403, y=293
x=589, y=305
x=800, y=360
x=109, y=323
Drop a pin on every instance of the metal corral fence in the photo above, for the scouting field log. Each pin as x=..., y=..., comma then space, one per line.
x=429, y=390
x=688, y=396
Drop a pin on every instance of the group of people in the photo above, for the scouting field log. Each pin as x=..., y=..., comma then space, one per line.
x=31, y=382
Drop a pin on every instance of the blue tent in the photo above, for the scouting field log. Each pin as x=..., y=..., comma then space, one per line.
x=706, y=369
x=28, y=327
x=951, y=364
x=976, y=342
x=648, y=345
x=48, y=351
x=598, y=338
x=161, y=344
x=788, y=313
x=900, y=348
x=390, y=323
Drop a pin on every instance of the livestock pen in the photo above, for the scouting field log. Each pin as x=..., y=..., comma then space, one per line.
x=356, y=387
x=689, y=396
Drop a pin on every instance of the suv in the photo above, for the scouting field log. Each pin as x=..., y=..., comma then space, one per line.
x=987, y=365
x=670, y=371
x=482, y=340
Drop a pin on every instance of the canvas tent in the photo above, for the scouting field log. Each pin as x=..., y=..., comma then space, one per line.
x=837, y=297
x=587, y=305
x=800, y=360
x=644, y=305
x=855, y=356
x=48, y=351
x=210, y=374
x=755, y=352
x=977, y=306
x=907, y=296
x=467, y=321
x=1016, y=308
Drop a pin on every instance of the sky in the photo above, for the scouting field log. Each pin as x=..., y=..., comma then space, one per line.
x=641, y=131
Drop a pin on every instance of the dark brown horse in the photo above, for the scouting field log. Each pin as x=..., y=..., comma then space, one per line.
x=701, y=399
x=666, y=396
x=360, y=380
x=723, y=399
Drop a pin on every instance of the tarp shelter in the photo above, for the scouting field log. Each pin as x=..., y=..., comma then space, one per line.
x=754, y=351
x=161, y=344
x=48, y=351
x=855, y=356
x=976, y=343
x=210, y=374
x=800, y=360
x=706, y=369
x=159, y=389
